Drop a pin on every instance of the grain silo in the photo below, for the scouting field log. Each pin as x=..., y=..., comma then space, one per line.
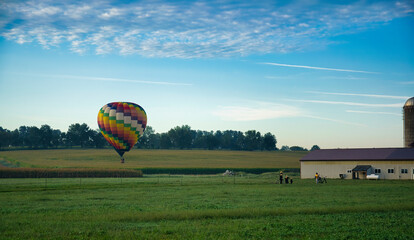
x=409, y=123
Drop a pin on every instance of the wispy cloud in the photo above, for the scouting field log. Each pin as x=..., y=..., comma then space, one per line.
x=260, y=112
x=392, y=105
x=121, y=80
x=334, y=120
x=408, y=82
x=265, y=110
x=362, y=95
x=345, y=78
x=317, y=68
x=190, y=29
x=368, y=112
x=107, y=79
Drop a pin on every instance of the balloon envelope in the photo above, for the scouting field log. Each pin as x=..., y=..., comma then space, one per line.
x=122, y=124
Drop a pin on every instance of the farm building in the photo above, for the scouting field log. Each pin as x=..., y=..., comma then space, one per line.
x=386, y=163
x=359, y=163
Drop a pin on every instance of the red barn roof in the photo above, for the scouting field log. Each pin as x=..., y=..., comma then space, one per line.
x=384, y=154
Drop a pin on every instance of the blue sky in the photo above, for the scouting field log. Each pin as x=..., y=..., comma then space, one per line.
x=310, y=72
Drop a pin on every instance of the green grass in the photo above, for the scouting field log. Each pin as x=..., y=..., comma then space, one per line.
x=205, y=207
x=195, y=207
x=137, y=158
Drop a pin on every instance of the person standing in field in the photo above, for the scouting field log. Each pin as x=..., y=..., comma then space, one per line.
x=287, y=179
x=317, y=177
x=281, y=177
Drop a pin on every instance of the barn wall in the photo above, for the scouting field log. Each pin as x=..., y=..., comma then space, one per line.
x=332, y=169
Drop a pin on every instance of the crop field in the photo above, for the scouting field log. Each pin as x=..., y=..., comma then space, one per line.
x=137, y=158
x=205, y=207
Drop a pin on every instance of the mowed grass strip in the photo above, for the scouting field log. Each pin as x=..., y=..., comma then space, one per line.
x=250, y=213
x=138, y=158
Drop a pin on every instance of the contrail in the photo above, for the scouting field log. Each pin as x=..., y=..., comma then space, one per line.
x=394, y=105
x=367, y=112
x=361, y=95
x=318, y=68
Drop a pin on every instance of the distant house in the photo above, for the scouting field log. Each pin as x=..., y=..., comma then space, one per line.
x=387, y=163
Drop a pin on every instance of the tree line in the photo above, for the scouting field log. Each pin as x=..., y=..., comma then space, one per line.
x=179, y=137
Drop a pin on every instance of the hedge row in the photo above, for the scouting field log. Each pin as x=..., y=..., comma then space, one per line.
x=102, y=173
x=67, y=173
x=201, y=171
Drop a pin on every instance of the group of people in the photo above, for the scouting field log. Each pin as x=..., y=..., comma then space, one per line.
x=319, y=179
x=287, y=179
x=290, y=180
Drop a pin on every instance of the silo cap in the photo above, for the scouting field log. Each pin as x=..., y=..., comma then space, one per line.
x=409, y=103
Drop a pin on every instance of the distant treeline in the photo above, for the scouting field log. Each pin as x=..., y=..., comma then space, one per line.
x=180, y=137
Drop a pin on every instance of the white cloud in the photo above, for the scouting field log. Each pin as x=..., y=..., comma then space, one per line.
x=317, y=68
x=113, y=12
x=77, y=12
x=191, y=29
x=45, y=11
x=260, y=112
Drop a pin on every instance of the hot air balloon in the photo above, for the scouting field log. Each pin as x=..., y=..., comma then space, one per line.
x=122, y=124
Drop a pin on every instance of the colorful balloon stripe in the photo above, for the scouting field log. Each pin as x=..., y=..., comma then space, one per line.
x=122, y=124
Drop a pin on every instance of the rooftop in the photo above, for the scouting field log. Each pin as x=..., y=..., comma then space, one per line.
x=353, y=154
x=361, y=168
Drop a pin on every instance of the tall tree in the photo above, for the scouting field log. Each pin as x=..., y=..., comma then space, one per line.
x=56, y=138
x=212, y=141
x=165, y=141
x=79, y=134
x=46, y=136
x=253, y=140
x=144, y=140
x=285, y=148
x=315, y=147
x=269, y=142
x=15, y=139
x=200, y=139
x=240, y=143
x=24, y=136
x=5, y=137
x=181, y=137
x=154, y=141
x=98, y=140
x=34, y=138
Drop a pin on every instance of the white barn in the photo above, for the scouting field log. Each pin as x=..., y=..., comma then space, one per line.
x=386, y=163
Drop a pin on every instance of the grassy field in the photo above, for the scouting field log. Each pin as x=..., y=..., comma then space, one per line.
x=205, y=207
x=137, y=158
x=195, y=207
